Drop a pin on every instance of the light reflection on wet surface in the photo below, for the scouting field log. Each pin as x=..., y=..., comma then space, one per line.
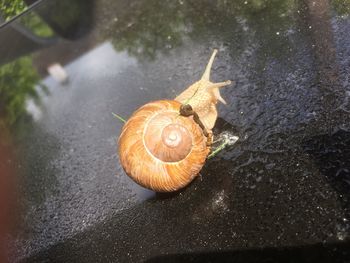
x=283, y=184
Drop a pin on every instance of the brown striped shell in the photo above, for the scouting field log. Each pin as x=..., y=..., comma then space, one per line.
x=160, y=149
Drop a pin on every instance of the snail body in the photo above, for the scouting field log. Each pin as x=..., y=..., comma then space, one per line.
x=204, y=95
x=164, y=144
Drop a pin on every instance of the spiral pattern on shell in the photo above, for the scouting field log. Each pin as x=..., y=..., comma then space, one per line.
x=160, y=149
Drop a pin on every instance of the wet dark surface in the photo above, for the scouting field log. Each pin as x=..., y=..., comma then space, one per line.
x=280, y=194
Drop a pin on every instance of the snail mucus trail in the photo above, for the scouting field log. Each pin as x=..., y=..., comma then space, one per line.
x=164, y=144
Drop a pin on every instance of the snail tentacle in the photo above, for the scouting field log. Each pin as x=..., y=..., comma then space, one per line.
x=187, y=110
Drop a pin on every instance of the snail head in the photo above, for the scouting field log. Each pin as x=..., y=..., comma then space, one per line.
x=203, y=96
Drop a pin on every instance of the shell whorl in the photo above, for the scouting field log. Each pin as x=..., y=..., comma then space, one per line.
x=166, y=137
x=160, y=149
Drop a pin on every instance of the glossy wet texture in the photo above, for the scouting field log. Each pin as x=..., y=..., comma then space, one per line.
x=283, y=186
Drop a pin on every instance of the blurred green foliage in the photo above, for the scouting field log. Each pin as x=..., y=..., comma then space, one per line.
x=10, y=8
x=149, y=27
x=19, y=79
x=17, y=83
x=144, y=31
x=36, y=25
x=342, y=7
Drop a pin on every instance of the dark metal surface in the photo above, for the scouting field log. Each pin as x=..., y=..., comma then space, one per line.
x=280, y=194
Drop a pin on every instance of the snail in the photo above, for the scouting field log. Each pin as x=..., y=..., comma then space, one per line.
x=164, y=144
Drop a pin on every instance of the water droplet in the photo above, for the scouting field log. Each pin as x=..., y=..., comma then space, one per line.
x=342, y=229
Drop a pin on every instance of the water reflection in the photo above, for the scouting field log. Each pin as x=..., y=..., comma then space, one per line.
x=144, y=33
x=68, y=19
x=20, y=86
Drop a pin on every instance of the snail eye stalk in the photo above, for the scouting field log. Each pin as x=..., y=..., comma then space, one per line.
x=186, y=110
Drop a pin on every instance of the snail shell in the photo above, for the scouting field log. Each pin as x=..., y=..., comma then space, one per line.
x=163, y=150
x=160, y=149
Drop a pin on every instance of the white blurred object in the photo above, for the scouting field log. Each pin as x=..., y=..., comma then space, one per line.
x=58, y=73
x=33, y=109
